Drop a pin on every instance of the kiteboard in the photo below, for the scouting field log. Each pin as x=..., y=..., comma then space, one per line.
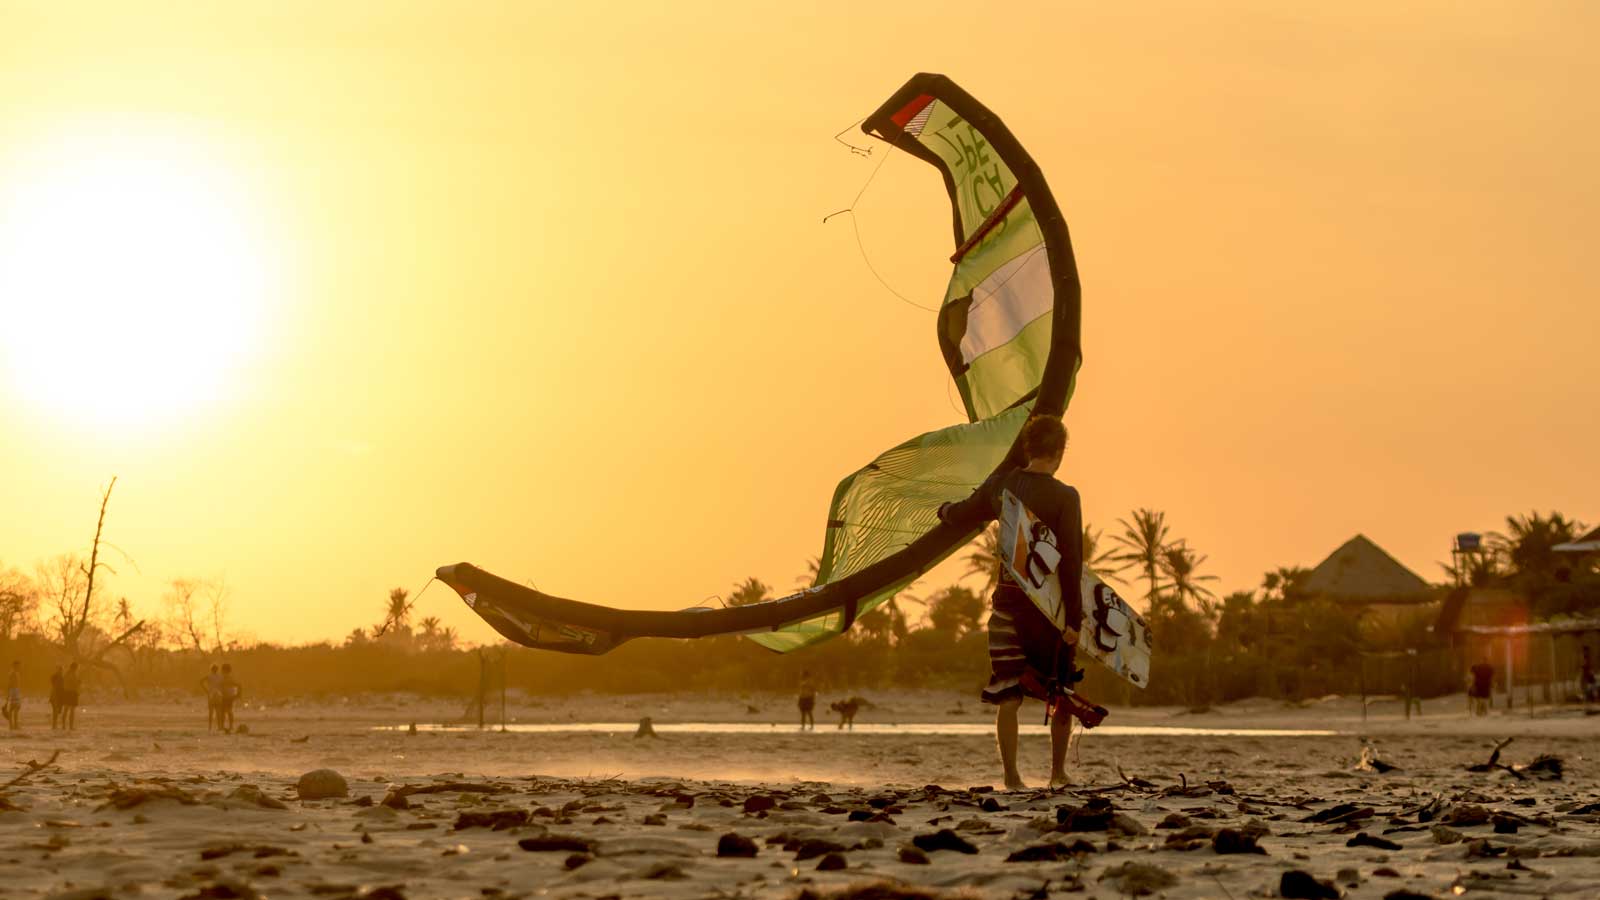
x=1111, y=632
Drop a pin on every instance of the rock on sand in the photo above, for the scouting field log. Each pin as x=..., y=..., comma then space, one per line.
x=320, y=784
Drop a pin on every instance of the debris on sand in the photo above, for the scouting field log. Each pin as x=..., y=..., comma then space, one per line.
x=321, y=784
x=1545, y=766
x=1300, y=885
x=1366, y=840
x=1371, y=763
x=736, y=845
x=878, y=890
x=495, y=819
x=551, y=843
x=128, y=798
x=943, y=839
x=249, y=795
x=1139, y=879
x=1245, y=840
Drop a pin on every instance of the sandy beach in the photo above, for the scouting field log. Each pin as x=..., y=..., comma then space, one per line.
x=142, y=801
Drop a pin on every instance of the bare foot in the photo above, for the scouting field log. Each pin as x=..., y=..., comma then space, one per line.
x=1059, y=780
x=1015, y=783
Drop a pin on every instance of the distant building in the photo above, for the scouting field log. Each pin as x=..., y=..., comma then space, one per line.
x=1361, y=574
x=1589, y=543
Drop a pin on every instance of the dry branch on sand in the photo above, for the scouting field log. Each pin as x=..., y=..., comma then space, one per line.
x=29, y=769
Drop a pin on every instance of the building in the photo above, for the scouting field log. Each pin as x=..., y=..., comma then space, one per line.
x=1361, y=574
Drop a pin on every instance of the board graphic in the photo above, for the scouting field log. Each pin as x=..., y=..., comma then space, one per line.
x=1112, y=633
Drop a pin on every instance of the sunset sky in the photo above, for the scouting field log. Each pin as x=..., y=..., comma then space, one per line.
x=342, y=292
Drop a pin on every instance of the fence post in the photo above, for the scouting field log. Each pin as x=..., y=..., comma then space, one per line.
x=1511, y=697
x=1362, y=680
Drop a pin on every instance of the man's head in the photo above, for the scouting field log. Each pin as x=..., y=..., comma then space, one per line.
x=213, y=668
x=1044, y=441
x=227, y=668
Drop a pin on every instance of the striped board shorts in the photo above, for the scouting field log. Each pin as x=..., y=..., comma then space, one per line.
x=1022, y=638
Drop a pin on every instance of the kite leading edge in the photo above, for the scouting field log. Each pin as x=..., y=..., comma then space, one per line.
x=1008, y=330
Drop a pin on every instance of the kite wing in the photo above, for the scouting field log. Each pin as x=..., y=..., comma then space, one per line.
x=1008, y=331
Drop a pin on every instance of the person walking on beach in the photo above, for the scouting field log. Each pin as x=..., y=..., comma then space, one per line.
x=212, y=686
x=808, y=701
x=70, y=685
x=58, y=690
x=1027, y=654
x=14, y=696
x=1482, y=688
x=230, y=693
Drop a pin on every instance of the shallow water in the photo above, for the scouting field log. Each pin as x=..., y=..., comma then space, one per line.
x=865, y=728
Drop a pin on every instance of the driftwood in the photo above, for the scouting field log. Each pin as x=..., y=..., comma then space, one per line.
x=396, y=798
x=30, y=768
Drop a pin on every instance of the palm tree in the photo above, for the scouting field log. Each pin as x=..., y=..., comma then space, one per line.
x=396, y=612
x=1180, y=563
x=1143, y=542
x=813, y=569
x=899, y=623
x=1091, y=544
x=956, y=610
x=985, y=558
x=751, y=590
x=1528, y=546
x=1285, y=584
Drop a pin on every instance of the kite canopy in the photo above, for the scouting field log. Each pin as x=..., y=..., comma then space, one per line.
x=1008, y=331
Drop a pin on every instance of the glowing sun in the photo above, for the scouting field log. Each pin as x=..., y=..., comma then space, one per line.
x=132, y=279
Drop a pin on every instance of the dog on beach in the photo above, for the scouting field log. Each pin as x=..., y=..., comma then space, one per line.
x=847, y=710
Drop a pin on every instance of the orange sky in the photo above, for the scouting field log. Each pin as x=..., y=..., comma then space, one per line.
x=550, y=293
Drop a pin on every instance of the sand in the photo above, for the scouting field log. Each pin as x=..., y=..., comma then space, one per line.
x=142, y=801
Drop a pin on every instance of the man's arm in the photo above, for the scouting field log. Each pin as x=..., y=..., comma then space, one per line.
x=978, y=508
x=1069, y=537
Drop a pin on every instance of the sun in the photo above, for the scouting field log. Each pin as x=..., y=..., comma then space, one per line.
x=133, y=279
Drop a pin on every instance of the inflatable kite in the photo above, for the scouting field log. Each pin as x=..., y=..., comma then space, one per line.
x=1008, y=331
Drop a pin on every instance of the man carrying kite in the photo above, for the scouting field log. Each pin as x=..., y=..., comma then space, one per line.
x=1028, y=655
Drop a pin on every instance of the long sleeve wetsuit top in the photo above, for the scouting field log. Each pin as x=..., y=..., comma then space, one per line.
x=1056, y=504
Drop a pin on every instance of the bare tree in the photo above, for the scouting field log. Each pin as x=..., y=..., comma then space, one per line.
x=182, y=615
x=197, y=613
x=61, y=591
x=71, y=595
x=215, y=595
x=19, y=599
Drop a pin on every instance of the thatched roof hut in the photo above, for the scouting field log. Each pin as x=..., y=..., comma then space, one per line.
x=1360, y=573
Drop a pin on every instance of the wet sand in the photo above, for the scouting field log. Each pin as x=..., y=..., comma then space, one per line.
x=143, y=802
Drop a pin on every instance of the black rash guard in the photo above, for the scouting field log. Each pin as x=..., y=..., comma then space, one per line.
x=1056, y=504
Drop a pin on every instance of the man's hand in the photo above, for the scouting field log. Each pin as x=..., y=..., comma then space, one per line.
x=1070, y=635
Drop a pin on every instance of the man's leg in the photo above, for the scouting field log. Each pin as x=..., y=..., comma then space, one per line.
x=1060, y=738
x=1005, y=732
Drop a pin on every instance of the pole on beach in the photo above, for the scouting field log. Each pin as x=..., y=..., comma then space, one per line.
x=1510, y=680
x=1361, y=679
x=483, y=685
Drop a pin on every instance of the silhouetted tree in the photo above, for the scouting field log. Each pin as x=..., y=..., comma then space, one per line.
x=1143, y=541
x=751, y=590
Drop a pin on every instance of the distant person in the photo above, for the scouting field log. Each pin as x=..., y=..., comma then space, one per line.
x=1586, y=681
x=58, y=696
x=1028, y=655
x=230, y=694
x=808, y=702
x=14, y=696
x=71, y=683
x=1482, y=689
x=212, y=686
